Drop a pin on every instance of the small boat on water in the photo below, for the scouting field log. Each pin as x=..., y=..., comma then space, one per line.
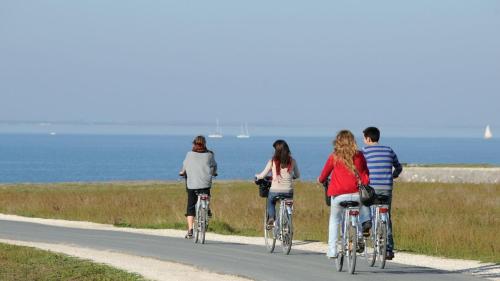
x=487, y=133
x=244, y=132
x=217, y=133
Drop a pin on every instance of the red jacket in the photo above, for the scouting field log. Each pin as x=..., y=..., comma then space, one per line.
x=342, y=180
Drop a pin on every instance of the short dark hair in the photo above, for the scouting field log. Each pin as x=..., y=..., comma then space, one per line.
x=373, y=133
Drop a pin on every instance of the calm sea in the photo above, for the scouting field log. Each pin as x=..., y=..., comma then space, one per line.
x=65, y=158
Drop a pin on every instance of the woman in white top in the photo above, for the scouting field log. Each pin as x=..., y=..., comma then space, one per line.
x=284, y=170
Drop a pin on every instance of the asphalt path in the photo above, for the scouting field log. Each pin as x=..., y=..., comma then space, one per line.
x=230, y=258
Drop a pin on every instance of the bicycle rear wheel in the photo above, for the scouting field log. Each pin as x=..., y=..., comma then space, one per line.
x=352, y=244
x=269, y=237
x=370, y=249
x=286, y=232
x=203, y=224
x=382, y=243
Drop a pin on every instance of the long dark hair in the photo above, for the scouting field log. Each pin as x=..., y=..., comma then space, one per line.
x=282, y=156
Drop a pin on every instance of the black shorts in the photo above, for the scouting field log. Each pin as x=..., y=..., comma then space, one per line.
x=193, y=198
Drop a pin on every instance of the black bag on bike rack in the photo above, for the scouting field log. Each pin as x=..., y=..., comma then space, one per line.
x=328, y=199
x=264, y=186
x=367, y=194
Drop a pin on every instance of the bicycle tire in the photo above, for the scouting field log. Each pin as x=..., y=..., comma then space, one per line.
x=269, y=237
x=339, y=261
x=382, y=243
x=286, y=232
x=370, y=249
x=203, y=224
x=340, y=246
x=352, y=238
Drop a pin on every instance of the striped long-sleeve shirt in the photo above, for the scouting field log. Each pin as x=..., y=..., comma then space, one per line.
x=380, y=160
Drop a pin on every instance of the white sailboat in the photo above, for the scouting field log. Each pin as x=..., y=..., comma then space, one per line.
x=217, y=133
x=244, y=132
x=487, y=132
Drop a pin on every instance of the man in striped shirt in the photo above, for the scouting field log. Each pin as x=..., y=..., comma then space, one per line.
x=381, y=160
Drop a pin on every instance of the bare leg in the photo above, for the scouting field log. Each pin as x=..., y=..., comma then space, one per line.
x=190, y=221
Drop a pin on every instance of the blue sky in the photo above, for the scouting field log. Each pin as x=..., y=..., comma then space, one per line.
x=407, y=66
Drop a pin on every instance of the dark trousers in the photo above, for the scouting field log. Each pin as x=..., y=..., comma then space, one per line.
x=193, y=199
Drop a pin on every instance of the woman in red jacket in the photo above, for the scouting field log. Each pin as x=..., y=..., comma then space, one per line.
x=342, y=166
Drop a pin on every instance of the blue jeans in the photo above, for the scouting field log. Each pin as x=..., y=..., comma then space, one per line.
x=271, y=202
x=336, y=216
x=369, y=212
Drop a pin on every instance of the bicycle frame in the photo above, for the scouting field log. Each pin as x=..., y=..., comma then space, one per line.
x=283, y=226
x=380, y=220
x=201, y=218
x=348, y=240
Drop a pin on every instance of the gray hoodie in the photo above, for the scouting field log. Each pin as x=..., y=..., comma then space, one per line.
x=199, y=168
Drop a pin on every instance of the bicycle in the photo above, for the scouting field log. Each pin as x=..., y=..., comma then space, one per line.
x=376, y=243
x=347, y=244
x=282, y=229
x=201, y=214
x=201, y=218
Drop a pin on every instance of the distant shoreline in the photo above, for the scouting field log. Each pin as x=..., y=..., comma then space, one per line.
x=434, y=173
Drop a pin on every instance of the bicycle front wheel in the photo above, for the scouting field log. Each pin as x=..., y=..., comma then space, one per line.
x=269, y=237
x=340, y=245
x=196, y=227
x=352, y=244
x=382, y=243
x=286, y=232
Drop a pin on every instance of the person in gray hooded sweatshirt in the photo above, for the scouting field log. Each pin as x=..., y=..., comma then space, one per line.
x=199, y=167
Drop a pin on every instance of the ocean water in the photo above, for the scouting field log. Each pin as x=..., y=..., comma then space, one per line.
x=69, y=158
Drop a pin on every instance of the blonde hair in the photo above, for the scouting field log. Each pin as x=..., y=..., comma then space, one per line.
x=345, y=148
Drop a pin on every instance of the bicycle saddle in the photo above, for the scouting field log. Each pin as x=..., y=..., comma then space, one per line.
x=382, y=199
x=347, y=204
x=201, y=192
x=281, y=197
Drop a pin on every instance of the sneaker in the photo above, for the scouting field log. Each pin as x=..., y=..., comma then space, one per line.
x=270, y=223
x=189, y=234
x=361, y=246
x=367, y=225
x=332, y=256
x=389, y=256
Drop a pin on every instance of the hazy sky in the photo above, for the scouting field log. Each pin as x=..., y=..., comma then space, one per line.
x=396, y=64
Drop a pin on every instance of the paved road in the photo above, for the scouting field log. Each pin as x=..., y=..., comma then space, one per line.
x=237, y=259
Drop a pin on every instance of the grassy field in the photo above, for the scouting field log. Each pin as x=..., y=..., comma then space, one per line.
x=452, y=220
x=25, y=263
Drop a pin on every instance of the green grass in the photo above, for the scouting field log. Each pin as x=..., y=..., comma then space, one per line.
x=450, y=220
x=26, y=263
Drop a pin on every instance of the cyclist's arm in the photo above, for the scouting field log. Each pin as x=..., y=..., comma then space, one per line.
x=327, y=169
x=266, y=171
x=183, y=170
x=398, y=168
x=213, y=166
x=296, y=172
